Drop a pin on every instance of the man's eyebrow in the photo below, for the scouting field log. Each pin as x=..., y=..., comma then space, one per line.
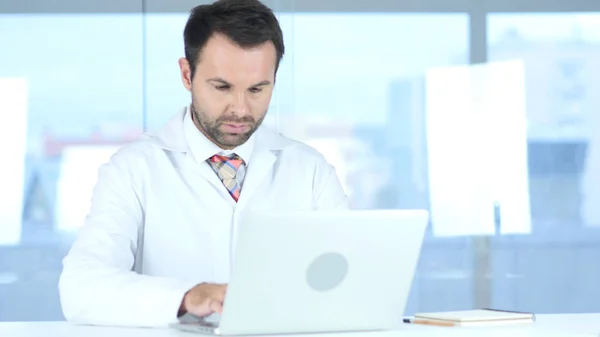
x=218, y=79
x=260, y=84
x=222, y=81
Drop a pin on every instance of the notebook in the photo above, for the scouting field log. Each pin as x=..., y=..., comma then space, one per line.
x=479, y=317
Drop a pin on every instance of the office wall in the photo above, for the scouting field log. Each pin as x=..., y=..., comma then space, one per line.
x=101, y=72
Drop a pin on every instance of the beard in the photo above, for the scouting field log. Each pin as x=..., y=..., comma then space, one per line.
x=225, y=140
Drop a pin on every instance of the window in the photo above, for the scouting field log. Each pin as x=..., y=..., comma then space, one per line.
x=560, y=53
x=357, y=93
x=70, y=93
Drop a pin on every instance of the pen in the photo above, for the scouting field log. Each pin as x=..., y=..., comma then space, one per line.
x=427, y=322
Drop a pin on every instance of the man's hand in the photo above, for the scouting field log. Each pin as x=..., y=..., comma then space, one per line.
x=204, y=299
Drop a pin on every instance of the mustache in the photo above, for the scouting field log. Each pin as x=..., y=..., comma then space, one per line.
x=242, y=120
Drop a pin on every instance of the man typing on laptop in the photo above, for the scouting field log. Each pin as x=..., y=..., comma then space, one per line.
x=159, y=239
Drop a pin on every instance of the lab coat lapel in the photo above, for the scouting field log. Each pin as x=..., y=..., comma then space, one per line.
x=263, y=158
x=261, y=163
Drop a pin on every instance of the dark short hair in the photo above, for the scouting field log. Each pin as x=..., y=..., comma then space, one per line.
x=248, y=23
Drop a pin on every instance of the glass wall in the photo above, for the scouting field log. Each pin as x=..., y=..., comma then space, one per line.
x=368, y=88
x=357, y=94
x=560, y=53
x=81, y=98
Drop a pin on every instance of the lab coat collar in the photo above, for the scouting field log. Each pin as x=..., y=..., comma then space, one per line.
x=171, y=136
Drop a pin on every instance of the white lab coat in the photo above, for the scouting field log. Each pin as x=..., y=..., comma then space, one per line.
x=155, y=186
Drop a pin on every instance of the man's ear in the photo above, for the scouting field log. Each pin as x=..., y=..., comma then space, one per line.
x=186, y=73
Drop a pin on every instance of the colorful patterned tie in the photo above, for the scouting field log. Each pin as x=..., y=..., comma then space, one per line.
x=226, y=168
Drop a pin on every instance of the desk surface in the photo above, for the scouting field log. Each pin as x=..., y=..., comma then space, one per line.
x=546, y=326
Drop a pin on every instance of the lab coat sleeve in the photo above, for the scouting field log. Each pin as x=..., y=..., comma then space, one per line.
x=329, y=193
x=97, y=285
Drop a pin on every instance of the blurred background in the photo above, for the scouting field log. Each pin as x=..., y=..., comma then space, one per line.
x=485, y=112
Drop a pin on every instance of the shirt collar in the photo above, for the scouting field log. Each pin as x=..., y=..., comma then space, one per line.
x=203, y=148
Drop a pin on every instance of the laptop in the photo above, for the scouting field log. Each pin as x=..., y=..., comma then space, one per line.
x=319, y=271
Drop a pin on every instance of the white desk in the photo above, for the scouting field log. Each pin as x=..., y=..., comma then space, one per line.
x=546, y=326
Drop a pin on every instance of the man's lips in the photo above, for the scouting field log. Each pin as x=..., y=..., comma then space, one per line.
x=235, y=128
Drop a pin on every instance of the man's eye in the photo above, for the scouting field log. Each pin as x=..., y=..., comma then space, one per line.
x=255, y=90
x=222, y=87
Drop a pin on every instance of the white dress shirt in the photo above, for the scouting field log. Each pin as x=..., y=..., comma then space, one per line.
x=161, y=220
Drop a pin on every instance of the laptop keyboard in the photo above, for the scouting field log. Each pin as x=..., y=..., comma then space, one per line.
x=212, y=320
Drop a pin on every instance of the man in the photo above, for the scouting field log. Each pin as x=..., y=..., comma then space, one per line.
x=177, y=196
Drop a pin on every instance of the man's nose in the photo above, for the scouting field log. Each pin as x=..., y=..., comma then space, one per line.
x=240, y=104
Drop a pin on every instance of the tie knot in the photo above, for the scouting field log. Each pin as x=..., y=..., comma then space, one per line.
x=226, y=166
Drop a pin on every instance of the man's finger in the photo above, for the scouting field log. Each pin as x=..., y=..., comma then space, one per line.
x=200, y=311
x=216, y=306
x=219, y=296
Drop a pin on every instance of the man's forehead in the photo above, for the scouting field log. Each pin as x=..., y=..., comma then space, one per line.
x=220, y=51
x=238, y=70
